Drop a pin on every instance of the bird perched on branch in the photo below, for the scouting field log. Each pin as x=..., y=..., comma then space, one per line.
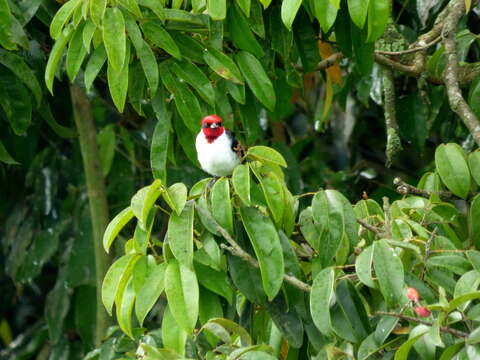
x=217, y=149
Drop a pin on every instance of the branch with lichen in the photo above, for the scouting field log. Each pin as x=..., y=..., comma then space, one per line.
x=394, y=144
x=450, y=75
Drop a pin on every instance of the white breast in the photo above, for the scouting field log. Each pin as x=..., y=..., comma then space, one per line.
x=216, y=158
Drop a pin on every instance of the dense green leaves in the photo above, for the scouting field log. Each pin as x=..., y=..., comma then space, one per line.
x=320, y=299
x=265, y=241
x=180, y=235
x=114, y=38
x=115, y=226
x=453, y=169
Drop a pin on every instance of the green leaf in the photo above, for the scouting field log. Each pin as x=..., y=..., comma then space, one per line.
x=412, y=114
x=474, y=220
x=241, y=33
x=176, y=197
x=118, y=82
x=245, y=6
x=155, y=6
x=173, y=336
x=272, y=188
x=257, y=79
x=106, y=142
x=457, y=264
x=114, y=39
x=217, y=9
x=143, y=201
x=180, y=234
x=364, y=266
x=160, y=137
x=182, y=292
x=191, y=74
x=265, y=241
x=124, y=306
x=228, y=331
x=6, y=38
x=241, y=182
x=452, y=167
x=5, y=157
x=97, y=11
x=266, y=155
x=358, y=10
x=223, y=65
x=115, y=226
x=320, y=298
x=289, y=11
x=132, y=6
x=265, y=3
x=88, y=32
x=158, y=36
x=326, y=13
x=474, y=337
x=462, y=299
x=467, y=283
x=149, y=293
x=56, y=56
x=62, y=16
x=215, y=281
x=116, y=279
x=474, y=165
x=389, y=271
x=75, y=54
x=16, y=64
x=327, y=211
x=378, y=15
x=221, y=204
x=402, y=352
x=94, y=65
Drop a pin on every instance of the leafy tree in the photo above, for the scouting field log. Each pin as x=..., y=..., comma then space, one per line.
x=262, y=264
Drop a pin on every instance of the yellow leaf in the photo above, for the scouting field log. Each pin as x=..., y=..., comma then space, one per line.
x=468, y=5
x=334, y=71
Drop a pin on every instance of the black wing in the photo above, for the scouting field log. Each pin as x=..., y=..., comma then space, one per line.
x=236, y=146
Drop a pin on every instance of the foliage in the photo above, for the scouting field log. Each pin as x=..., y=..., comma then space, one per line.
x=262, y=264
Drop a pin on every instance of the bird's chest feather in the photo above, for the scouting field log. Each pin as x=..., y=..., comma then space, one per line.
x=216, y=157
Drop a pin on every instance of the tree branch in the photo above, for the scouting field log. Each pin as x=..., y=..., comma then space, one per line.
x=450, y=75
x=97, y=197
x=394, y=144
x=372, y=228
x=411, y=50
x=236, y=250
x=405, y=189
x=454, y=332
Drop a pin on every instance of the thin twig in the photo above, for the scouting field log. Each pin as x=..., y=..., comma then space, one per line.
x=236, y=250
x=454, y=332
x=406, y=189
x=394, y=144
x=409, y=51
x=428, y=244
x=374, y=229
x=451, y=73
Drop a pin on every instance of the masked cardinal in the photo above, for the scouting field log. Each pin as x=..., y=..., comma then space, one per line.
x=217, y=149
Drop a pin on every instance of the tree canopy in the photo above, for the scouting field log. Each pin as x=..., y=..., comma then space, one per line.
x=350, y=231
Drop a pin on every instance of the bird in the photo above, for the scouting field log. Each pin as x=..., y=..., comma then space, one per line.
x=218, y=150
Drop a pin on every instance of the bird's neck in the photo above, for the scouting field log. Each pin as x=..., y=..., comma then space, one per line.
x=212, y=134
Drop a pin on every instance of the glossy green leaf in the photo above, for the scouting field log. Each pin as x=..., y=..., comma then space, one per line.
x=358, y=10
x=462, y=299
x=88, y=33
x=245, y=6
x=191, y=74
x=364, y=266
x=156, y=6
x=149, y=293
x=223, y=65
x=118, y=82
x=6, y=36
x=143, y=201
x=182, y=291
x=320, y=298
x=160, y=138
x=173, y=336
x=403, y=351
x=215, y=281
x=272, y=188
x=176, y=197
x=62, y=16
x=180, y=235
x=266, y=155
x=241, y=33
x=132, y=6
x=114, y=39
x=124, y=302
x=217, y=9
x=75, y=54
x=158, y=36
x=457, y=264
x=389, y=272
x=474, y=165
x=18, y=66
x=55, y=57
x=467, y=283
x=326, y=13
x=97, y=11
x=265, y=241
x=474, y=220
x=257, y=79
x=221, y=204
x=378, y=15
x=116, y=279
x=289, y=11
x=241, y=182
x=106, y=142
x=94, y=65
x=115, y=226
x=453, y=169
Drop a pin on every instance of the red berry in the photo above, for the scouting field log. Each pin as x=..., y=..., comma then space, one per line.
x=422, y=311
x=412, y=294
